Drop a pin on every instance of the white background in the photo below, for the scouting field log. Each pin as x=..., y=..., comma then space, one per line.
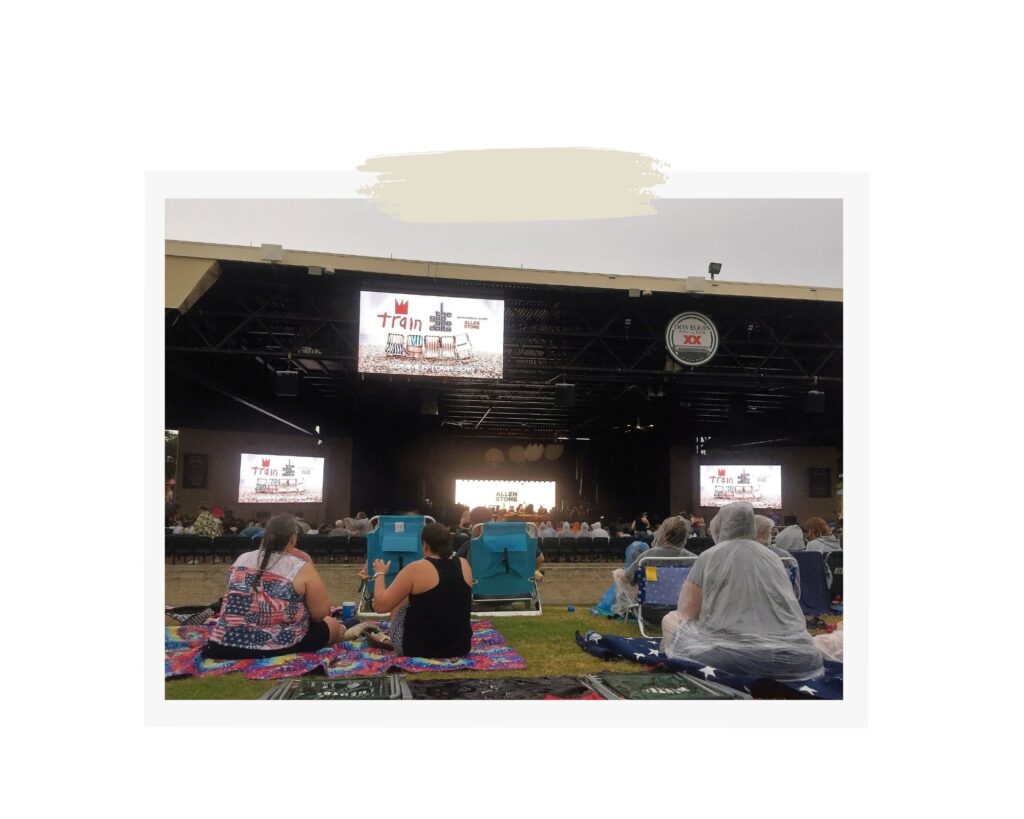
x=481, y=493
x=923, y=97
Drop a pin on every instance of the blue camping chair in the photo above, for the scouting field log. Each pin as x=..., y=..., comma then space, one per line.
x=834, y=564
x=793, y=570
x=659, y=581
x=503, y=558
x=814, y=593
x=395, y=538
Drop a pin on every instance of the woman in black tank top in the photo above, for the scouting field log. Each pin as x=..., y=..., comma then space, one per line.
x=429, y=600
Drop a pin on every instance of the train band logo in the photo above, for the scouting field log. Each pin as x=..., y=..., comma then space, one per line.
x=692, y=339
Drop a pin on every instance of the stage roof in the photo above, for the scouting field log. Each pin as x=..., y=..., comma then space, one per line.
x=235, y=315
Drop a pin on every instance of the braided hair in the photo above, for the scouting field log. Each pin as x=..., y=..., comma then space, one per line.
x=279, y=532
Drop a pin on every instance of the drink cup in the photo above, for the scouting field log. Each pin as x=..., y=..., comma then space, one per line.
x=348, y=610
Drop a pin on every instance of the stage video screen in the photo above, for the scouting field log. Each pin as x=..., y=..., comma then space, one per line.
x=759, y=485
x=281, y=479
x=505, y=494
x=406, y=334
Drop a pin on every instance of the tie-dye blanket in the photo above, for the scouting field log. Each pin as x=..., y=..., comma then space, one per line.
x=183, y=657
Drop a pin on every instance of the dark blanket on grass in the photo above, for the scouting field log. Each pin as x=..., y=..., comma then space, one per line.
x=648, y=651
x=183, y=657
x=504, y=688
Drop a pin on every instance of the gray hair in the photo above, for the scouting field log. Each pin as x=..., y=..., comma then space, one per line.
x=673, y=532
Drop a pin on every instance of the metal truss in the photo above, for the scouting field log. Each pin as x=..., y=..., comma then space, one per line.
x=257, y=319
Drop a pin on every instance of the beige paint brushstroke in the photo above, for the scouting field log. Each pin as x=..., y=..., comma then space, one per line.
x=514, y=185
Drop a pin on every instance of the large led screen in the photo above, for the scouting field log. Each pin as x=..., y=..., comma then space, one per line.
x=281, y=479
x=505, y=494
x=760, y=485
x=406, y=334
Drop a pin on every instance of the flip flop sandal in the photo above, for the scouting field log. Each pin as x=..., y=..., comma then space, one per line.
x=381, y=641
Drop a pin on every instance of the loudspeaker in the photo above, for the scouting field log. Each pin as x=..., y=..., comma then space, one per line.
x=814, y=404
x=565, y=395
x=286, y=383
x=428, y=403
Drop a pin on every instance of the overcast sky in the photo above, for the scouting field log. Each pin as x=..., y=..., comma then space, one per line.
x=779, y=241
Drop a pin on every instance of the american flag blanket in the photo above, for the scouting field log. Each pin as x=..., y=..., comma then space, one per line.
x=648, y=651
x=183, y=657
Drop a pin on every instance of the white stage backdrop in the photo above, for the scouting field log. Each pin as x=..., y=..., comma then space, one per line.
x=505, y=493
x=760, y=485
x=281, y=479
x=405, y=334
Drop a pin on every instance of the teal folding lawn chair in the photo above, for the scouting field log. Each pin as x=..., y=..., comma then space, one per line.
x=503, y=558
x=394, y=538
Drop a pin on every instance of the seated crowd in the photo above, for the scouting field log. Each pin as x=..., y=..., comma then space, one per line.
x=217, y=522
x=737, y=609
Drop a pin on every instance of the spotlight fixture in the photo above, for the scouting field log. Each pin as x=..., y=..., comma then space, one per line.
x=714, y=269
x=814, y=404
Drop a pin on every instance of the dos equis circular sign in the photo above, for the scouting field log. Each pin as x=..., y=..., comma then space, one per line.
x=691, y=338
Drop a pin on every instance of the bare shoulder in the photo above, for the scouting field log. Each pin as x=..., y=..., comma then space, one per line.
x=305, y=574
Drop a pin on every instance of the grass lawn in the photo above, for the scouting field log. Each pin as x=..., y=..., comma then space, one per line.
x=546, y=643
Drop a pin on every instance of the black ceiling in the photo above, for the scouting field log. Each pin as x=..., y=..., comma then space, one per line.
x=258, y=318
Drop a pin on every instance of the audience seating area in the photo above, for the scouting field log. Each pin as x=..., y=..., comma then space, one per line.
x=324, y=549
x=587, y=550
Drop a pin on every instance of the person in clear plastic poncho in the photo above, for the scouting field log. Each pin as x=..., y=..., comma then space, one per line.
x=764, y=537
x=669, y=541
x=737, y=611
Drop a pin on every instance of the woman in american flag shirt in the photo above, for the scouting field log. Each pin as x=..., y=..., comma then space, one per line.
x=276, y=603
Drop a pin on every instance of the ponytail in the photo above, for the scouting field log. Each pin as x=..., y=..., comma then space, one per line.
x=279, y=532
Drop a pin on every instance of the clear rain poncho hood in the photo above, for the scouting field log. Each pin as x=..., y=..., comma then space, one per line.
x=734, y=521
x=791, y=539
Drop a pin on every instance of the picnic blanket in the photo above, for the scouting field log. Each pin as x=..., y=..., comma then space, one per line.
x=183, y=657
x=648, y=651
x=504, y=688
